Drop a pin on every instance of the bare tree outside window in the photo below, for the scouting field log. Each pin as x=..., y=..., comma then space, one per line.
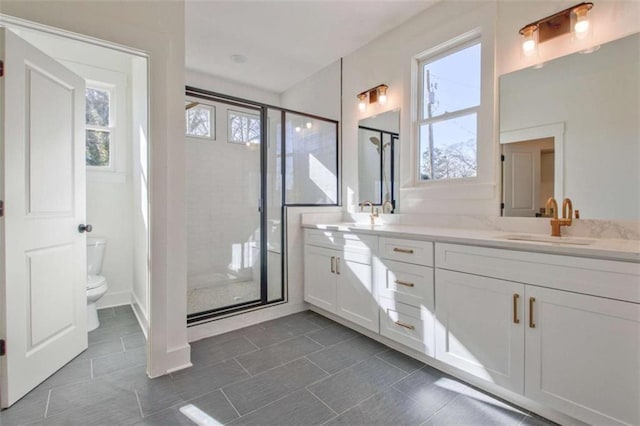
x=199, y=121
x=243, y=128
x=99, y=127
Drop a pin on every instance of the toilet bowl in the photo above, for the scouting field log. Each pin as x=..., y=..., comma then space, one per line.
x=96, y=284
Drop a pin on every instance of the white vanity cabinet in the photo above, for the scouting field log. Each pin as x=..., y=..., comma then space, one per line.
x=403, y=276
x=570, y=339
x=338, y=275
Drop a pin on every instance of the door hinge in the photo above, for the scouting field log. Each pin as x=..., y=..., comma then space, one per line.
x=3, y=347
x=1, y=69
x=502, y=158
x=1, y=208
x=502, y=206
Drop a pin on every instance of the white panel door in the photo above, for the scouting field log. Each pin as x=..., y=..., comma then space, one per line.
x=480, y=327
x=320, y=277
x=43, y=287
x=583, y=355
x=521, y=171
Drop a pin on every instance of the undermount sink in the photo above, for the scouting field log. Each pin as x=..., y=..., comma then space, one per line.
x=549, y=239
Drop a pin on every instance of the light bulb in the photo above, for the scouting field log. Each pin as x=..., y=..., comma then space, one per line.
x=361, y=105
x=580, y=21
x=530, y=43
x=382, y=95
x=581, y=29
x=309, y=124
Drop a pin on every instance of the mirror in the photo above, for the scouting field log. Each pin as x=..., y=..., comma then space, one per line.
x=378, y=146
x=571, y=129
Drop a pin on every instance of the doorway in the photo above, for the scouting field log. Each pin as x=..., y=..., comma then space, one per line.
x=114, y=182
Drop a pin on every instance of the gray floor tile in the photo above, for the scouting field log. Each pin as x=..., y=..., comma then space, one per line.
x=319, y=319
x=465, y=410
x=299, y=408
x=116, y=362
x=154, y=394
x=216, y=405
x=537, y=421
x=77, y=371
x=349, y=387
x=114, y=332
x=400, y=360
x=167, y=417
x=389, y=407
x=106, y=313
x=121, y=409
x=280, y=329
x=101, y=349
x=195, y=382
x=273, y=356
x=134, y=340
x=331, y=335
x=30, y=409
x=267, y=387
x=83, y=394
x=346, y=353
x=205, y=352
x=429, y=387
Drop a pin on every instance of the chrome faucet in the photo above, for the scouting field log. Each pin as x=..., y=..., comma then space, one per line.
x=374, y=213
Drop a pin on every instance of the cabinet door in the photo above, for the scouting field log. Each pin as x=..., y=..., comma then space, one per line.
x=583, y=355
x=355, y=300
x=320, y=279
x=477, y=328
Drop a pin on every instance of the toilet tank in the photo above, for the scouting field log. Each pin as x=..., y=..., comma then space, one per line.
x=95, y=255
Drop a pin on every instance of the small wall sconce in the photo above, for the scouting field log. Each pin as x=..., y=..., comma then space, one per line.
x=571, y=20
x=377, y=94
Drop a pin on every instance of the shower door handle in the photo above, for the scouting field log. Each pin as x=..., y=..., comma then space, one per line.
x=259, y=205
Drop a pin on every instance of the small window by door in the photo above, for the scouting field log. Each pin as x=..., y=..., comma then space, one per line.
x=244, y=128
x=200, y=121
x=99, y=127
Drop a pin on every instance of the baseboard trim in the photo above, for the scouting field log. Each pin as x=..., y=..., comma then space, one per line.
x=140, y=314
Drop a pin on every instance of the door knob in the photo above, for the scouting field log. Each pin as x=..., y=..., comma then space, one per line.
x=82, y=228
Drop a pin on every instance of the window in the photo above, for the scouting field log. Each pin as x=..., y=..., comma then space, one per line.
x=200, y=121
x=99, y=127
x=449, y=101
x=243, y=127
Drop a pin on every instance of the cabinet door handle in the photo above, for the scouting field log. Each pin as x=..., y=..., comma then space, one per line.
x=531, y=302
x=333, y=264
x=516, y=320
x=401, y=324
x=338, y=265
x=401, y=250
x=404, y=283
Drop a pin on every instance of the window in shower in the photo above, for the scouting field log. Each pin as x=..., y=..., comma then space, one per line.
x=200, y=121
x=237, y=195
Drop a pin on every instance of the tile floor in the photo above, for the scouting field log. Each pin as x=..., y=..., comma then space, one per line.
x=298, y=370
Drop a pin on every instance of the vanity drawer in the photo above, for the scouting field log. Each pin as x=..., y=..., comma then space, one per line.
x=404, y=282
x=597, y=277
x=410, y=251
x=341, y=240
x=411, y=326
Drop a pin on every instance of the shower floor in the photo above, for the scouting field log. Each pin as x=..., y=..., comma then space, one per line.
x=219, y=295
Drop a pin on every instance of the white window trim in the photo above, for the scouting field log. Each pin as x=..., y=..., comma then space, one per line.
x=454, y=44
x=117, y=84
x=213, y=128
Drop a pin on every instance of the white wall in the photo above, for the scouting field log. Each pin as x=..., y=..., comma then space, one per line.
x=226, y=87
x=159, y=31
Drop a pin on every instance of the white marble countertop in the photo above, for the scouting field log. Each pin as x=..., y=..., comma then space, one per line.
x=601, y=248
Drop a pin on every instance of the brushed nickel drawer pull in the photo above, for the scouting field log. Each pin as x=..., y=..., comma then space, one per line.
x=333, y=264
x=531, y=302
x=516, y=320
x=404, y=283
x=401, y=324
x=401, y=250
x=338, y=266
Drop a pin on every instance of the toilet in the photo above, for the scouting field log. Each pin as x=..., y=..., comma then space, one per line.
x=96, y=284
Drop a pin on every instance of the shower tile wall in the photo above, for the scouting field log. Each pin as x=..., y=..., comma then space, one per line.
x=222, y=210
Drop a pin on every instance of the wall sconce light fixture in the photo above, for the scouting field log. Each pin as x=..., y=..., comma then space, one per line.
x=377, y=94
x=571, y=20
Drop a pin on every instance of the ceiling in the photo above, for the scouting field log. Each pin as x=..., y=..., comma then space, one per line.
x=284, y=42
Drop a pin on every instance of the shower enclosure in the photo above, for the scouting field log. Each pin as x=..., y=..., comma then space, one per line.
x=245, y=164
